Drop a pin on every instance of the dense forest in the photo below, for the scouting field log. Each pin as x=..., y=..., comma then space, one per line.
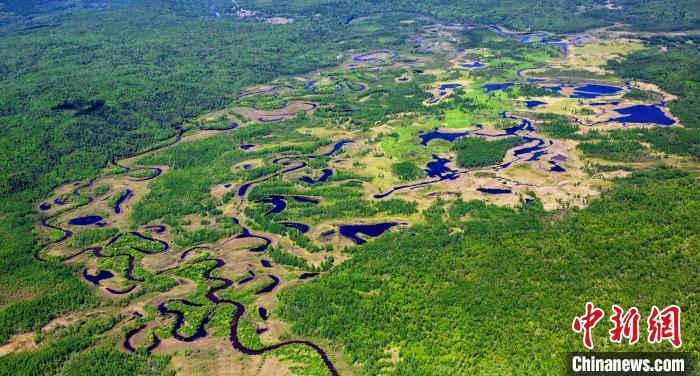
x=489, y=297
x=84, y=84
x=671, y=63
x=475, y=152
x=556, y=16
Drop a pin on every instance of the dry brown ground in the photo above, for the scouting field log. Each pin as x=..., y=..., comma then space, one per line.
x=18, y=343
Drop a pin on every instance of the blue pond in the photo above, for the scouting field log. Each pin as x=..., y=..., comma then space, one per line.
x=537, y=155
x=309, y=85
x=352, y=231
x=494, y=191
x=180, y=321
x=303, y=228
x=45, y=206
x=438, y=167
x=247, y=279
x=355, y=86
x=277, y=202
x=306, y=200
x=97, y=278
x=449, y=86
x=584, y=95
x=270, y=287
x=263, y=313
x=85, y=221
x=247, y=146
x=266, y=263
x=604, y=103
x=598, y=89
x=158, y=229
x=591, y=91
x=494, y=87
x=436, y=134
x=326, y=174
x=525, y=125
x=528, y=38
x=643, y=114
x=243, y=189
x=117, y=206
x=533, y=104
x=538, y=146
x=338, y=145
x=474, y=65
x=308, y=275
x=555, y=167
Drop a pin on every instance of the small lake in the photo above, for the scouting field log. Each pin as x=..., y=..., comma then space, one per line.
x=306, y=200
x=474, y=65
x=117, y=206
x=263, y=313
x=327, y=173
x=277, y=202
x=355, y=86
x=85, y=221
x=438, y=167
x=309, y=85
x=338, y=145
x=495, y=87
x=308, y=275
x=538, y=146
x=533, y=104
x=243, y=189
x=528, y=38
x=604, y=103
x=444, y=87
x=494, y=191
x=303, y=228
x=437, y=134
x=270, y=287
x=643, y=114
x=537, y=155
x=352, y=231
x=591, y=91
x=245, y=280
x=555, y=167
x=96, y=279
